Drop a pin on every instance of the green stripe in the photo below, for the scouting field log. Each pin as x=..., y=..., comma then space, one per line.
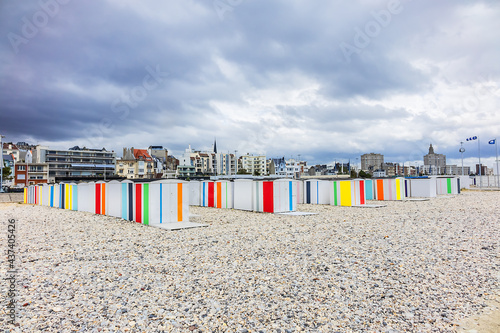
x=335, y=193
x=448, y=181
x=146, y=204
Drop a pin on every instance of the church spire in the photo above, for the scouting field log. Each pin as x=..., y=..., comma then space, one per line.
x=431, y=150
x=215, y=146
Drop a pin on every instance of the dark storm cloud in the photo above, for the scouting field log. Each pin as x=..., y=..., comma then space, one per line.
x=260, y=76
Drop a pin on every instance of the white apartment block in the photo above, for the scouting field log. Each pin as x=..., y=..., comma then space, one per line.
x=254, y=164
x=293, y=168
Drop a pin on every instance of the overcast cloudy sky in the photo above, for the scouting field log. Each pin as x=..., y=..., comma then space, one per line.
x=329, y=80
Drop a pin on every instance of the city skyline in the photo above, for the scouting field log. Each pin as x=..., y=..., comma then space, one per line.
x=328, y=81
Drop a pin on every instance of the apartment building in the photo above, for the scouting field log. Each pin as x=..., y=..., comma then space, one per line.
x=76, y=162
x=371, y=162
x=31, y=174
x=11, y=149
x=197, y=163
x=255, y=164
x=135, y=164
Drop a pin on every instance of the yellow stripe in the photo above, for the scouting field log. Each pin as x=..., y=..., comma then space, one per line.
x=66, y=196
x=25, y=195
x=345, y=193
x=398, y=189
x=179, y=202
x=103, y=199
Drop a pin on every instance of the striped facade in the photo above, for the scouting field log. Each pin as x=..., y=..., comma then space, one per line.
x=348, y=193
x=146, y=203
x=389, y=189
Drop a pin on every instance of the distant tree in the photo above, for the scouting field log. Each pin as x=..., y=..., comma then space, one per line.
x=256, y=173
x=243, y=171
x=354, y=174
x=6, y=173
x=363, y=174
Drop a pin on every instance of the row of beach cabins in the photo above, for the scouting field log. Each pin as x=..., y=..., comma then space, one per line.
x=168, y=201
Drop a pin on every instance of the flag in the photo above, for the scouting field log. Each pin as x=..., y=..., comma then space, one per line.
x=472, y=138
x=492, y=142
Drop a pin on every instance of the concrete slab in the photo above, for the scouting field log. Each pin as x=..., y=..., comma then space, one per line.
x=369, y=206
x=297, y=213
x=178, y=225
x=417, y=199
x=11, y=197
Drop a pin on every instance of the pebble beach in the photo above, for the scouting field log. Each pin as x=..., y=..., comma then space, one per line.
x=412, y=266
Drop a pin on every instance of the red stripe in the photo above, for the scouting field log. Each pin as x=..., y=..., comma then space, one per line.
x=362, y=192
x=98, y=198
x=267, y=189
x=138, y=203
x=211, y=195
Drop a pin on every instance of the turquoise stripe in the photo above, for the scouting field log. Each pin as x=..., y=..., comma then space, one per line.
x=124, y=202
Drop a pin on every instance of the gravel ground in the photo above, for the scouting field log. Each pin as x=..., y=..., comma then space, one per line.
x=410, y=266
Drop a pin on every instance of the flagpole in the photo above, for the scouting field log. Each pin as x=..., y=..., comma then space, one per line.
x=480, y=166
x=496, y=149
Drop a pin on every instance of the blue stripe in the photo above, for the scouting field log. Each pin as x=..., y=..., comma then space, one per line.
x=317, y=193
x=290, y=197
x=124, y=201
x=130, y=201
x=52, y=196
x=204, y=195
x=161, y=204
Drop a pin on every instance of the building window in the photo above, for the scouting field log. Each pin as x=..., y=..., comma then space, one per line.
x=21, y=168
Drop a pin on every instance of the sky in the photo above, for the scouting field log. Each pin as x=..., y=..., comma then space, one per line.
x=321, y=80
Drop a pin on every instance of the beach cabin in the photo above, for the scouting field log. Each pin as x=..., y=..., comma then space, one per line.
x=348, y=193
x=299, y=184
x=194, y=193
x=423, y=187
x=243, y=190
x=389, y=189
x=317, y=192
x=207, y=190
x=168, y=202
x=86, y=194
x=369, y=190
x=127, y=197
x=447, y=185
x=224, y=194
x=274, y=196
x=114, y=198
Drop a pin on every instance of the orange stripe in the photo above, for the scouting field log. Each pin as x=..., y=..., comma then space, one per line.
x=103, y=199
x=179, y=202
x=380, y=189
x=219, y=195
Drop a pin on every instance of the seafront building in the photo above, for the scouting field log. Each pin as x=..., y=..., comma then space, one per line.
x=75, y=162
x=434, y=164
x=135, y=164
x=371, y=162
